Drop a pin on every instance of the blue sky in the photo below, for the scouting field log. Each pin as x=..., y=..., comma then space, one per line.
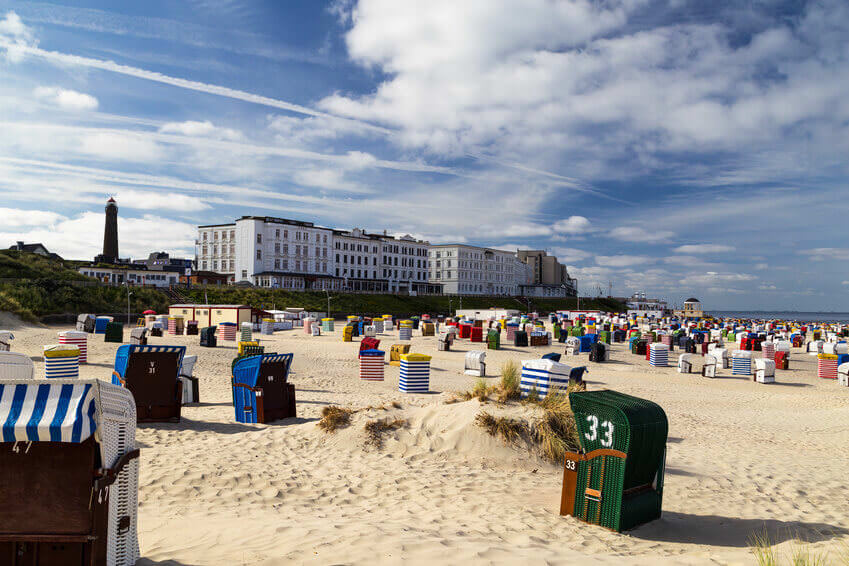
x=657, y=144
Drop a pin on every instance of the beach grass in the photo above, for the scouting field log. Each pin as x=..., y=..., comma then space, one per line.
x=334, y=418
x=376, y=429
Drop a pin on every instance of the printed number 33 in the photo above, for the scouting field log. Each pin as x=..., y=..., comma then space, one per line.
x=607, y=436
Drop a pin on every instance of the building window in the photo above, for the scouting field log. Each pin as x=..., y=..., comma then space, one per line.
x=259, y=254
x=277, y=233
x=259, y=238
x=244, y=276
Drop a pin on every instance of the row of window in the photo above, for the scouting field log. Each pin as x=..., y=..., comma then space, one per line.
x=345, y=246
x=224, y=233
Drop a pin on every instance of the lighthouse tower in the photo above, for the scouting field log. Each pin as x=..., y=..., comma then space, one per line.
x=110, y=233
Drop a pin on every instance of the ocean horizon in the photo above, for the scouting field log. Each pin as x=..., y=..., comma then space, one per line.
x=801, y=316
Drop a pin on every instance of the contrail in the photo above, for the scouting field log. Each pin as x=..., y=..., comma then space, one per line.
x=226, y=92
x=236, y=94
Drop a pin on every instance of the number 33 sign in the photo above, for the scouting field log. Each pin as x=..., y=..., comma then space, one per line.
x=606, y=439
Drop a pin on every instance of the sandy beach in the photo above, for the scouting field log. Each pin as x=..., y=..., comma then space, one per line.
x=742, y=458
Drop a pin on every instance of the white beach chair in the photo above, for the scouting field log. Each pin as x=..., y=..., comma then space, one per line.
x=6, y=338
x=709, y=366
x=721, y=355
x=843, y=375
x=685, y=363
x=191, y=393
x=475, y=364
x=14, y=365
x=764, y=370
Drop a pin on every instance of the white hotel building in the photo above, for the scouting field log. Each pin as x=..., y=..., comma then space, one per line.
x=291, y=254
x=472, y=270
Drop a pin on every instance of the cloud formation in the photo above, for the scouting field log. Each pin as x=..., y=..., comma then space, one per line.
x=65, y=98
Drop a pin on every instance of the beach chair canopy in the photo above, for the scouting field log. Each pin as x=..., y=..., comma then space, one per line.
x=14, y=365
x=250, y=371
x=51, y=411
x=142, y=352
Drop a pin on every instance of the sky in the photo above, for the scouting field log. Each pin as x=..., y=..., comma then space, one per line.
x=677, y=147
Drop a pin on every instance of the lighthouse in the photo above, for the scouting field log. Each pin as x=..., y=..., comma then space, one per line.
x=110, y=234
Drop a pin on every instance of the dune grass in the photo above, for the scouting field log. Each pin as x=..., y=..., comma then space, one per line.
x=510, y=430
x=375, y=430
x=334, y=418
x=553, y=433
x=508, y=387
x=800, y=553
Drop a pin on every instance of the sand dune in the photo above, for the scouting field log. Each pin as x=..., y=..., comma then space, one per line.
x=742, y=457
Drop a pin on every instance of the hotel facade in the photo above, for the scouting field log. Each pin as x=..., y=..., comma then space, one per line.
x=291, y=254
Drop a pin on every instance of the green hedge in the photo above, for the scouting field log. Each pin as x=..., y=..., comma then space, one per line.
x=24, y=265
x=31, y=299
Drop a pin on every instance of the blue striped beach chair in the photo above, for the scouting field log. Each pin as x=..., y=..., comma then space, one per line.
x=542, y=376
x=68, y=473
x=152, y=374
x=261, y=392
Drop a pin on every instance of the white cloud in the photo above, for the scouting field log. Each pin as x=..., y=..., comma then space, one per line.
x=13, y=217
x=637, y=234
x=327, y=179
x=65, y=98
x=114, y=145
x=761, y=266
x=714, y=278
x=687, y=260
x=623, y=260
x=845, y=283
x=767, y=287
x=703, y=249
x=150, y=200
x=822, y=254
x=200, y=129
x=570, y=255
x=572, y=225
x=81, y=237
x=15, y=37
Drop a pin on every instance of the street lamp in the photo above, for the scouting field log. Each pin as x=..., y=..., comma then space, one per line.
x=328, y=302
x=129, y=294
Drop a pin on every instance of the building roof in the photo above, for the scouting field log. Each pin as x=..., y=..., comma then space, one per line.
x=692, y=300
x=194, y=306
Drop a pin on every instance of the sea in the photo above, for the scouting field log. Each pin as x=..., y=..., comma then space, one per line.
x=785, y=315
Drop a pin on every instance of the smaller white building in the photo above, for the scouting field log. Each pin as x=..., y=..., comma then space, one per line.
x=472, y=270
x=640, y=306
x=131, y=276
x=486, y=314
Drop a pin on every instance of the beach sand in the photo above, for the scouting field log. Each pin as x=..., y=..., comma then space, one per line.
x=742, y=458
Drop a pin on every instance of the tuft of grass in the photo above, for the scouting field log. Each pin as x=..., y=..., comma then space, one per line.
x=334, y=418
x=802, y=555
x=508, y=387
x=508, y=429
x=556, y=432
x=375, y=430
x=481, y=390
x=762, y=549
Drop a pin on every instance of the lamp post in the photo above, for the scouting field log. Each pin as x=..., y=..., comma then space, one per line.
x=129, y=294
x=328, y=302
